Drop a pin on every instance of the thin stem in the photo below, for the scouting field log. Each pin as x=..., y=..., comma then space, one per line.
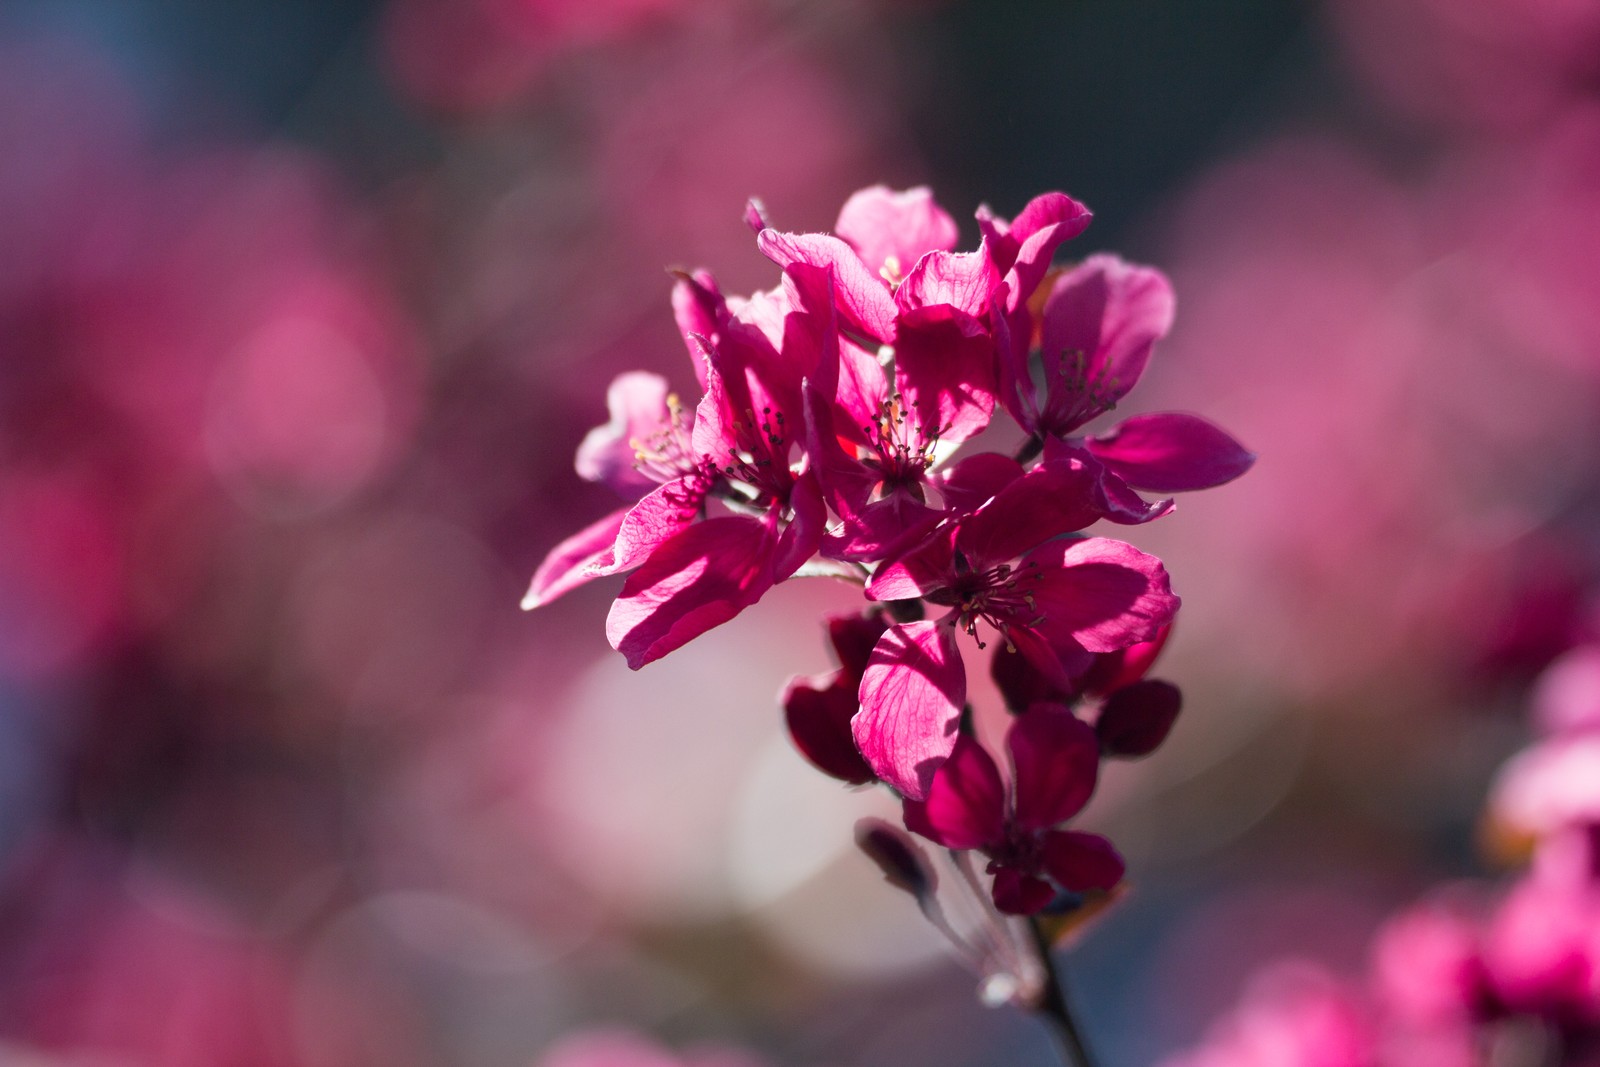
x=1054, y=1009
x=1030, y=449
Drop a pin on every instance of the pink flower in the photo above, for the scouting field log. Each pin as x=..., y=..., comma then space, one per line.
x=1055, y=759
x=1094, y=594
x=1098, y=329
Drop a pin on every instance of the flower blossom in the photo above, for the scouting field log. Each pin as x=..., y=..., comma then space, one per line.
x=1006, y=567
x=1055, y=759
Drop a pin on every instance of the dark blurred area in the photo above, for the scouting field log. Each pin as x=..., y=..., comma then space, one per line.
x=305, y=306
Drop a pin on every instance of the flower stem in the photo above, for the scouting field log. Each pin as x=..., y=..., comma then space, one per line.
x=1054, y=1009
x=1030, y=449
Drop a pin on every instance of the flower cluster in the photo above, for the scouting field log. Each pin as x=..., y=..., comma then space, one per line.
x=828, y=439
x=1475, y=973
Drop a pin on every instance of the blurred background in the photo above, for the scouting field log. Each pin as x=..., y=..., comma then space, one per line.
x=305, y=304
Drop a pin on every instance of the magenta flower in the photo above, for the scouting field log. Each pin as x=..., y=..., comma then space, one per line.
x=644, y=449
x=1023, y=247
x=1097, y=331
x=746, y=430
x=1095, y=594
x=1054, y=762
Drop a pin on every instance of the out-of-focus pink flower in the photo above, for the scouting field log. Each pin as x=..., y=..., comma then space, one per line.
x=617, y=1047
x=1295, y=1015
x=1055, y=760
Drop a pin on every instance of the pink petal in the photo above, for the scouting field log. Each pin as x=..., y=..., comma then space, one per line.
x=969, y=483
x=945, y=368
x=697, y=305
x=966, y=802
x=807, y=522
x=1114, y=500
x=637, y=403
x=755, y=215
x=1111, y=671
x=863, y=297
x=1170, y=452
x=702, y=577
x=1056, y=760
x=1045, y=224
x=567, y=565
x=1023, y=684
x=1016, y=893
x=917, y=573
x=880, y=223
x=965, y=281
x=653, y=521
x=912, y=693
x=1050, y=500
x=1101, y=593
x=1108, y=314
x=1080, y=862
x=1137, y=718
x=818, y=717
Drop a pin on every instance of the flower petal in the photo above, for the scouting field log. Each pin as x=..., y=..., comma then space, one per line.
x=1055, y=759
x=911, y=697
x=1044, y=225
x=881, y=224
x=637, y=403
x=1100, y=324
x=863, y=297
x=567, y=565
x=653, y=521
x=853, y=638
x=1171, y=452
x=916, y=573
x=969, y=483
x=818, y=717
x=1101, y=593
x=1016, y=893
x=702, y=577
x=1048, y=501
x=966, y=802
x=965, y=281
x=1079, y=862
x=945, y=368
x=1137, y=718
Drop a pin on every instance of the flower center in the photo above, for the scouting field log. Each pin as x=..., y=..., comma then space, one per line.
x=666, y=454
x=999, y=596
x=900, y=450
x=1078, y=394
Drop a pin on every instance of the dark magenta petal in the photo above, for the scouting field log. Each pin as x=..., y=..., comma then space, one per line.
x=1048, y=501
x=1080, y=862
x=1171, y=452
x=702, y=577
x=854, y=636
x=911, y=697
x=1114, y=500
x=1100, y=593
x=808, y=519
x=917, y=573
x=1023, y=684
x=969, y=483
x=1113, y=670
x=903, y=862
x=1100, y=324
x=1016, y=893
x=569, y=564
x=884, y=225
x=945, y=368
x=966, y=802
x=1056, y=759
x=863, y=296
x=653, y=520
x=1047, y=222
x=818, y=717
x=1138, y=717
